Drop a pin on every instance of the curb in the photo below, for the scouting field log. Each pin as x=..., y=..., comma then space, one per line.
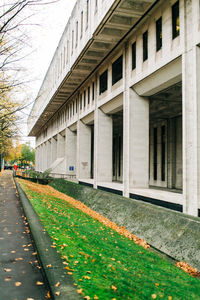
x=48, y=255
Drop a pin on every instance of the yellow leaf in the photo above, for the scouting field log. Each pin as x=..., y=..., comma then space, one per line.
x=48, y=296
x=113, y=287
x=18, y=283
x=58, y=293
x=153, y=296
x=39, y=283
x=57, y=284
x=79, y=291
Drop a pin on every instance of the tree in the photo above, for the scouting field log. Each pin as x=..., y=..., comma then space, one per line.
x=27, y=154
x=13, y=39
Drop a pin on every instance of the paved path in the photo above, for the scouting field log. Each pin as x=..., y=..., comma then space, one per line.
x=20, y=272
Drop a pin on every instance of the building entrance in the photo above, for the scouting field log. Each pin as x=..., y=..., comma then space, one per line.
x=166, y=139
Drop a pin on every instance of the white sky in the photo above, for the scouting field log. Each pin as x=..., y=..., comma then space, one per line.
x=48, y=24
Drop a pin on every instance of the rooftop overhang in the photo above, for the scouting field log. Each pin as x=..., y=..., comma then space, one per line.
x=122, y=17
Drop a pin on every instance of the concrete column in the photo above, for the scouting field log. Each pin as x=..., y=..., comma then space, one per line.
x=70, y=151
x=53, y=150
x=60, y=146
x=103, y=133
x=136, y=141
x=83, y=150
x=191, y=130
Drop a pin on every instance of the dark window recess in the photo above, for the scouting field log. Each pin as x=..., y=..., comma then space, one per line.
x=76, y=105
x=114, y=158
x=92, y=152
x=159, y=34
x=163, y=153
x=155, y=143
x=119, y=157
x=103, y=82
x=73, y=108
x=80, y=101
x=117, y=70
x=175, y=20
x=145, y=45
x=88, y=95
x=134, y=56
x=84, y=98
x=93, y=91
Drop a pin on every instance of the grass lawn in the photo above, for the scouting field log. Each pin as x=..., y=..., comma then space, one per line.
x=103, y=263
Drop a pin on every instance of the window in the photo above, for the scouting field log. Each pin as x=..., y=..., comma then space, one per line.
x=84, y=98
x=93, y=91
x=175, y=20
x=76, y=33
x=64, y=57
x=117, y=70
x=72, y=41
x=81, y=24
x=67, y=52
x=145, y=45
x=88, y=95
x=81, y=101
x=96, y=5
x=76, y=105
x=159, y=34
x=73, y=107
x=87, y=14
x=133, y=56
x=103, y=82
x=155, y=142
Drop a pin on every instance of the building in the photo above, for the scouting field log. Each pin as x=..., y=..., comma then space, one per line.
x=119, y=108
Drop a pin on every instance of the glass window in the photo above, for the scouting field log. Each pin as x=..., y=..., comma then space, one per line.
x=117, y=70
x=103, y=82
x=159, y=34
x=133, y=56
x=76, y=33
x=84, y=98
x=93, y=91
x=81, y=24
x=145, y=45
x=175, y=20
x=88, y=95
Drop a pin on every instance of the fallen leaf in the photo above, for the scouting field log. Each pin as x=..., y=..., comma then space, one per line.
x=7, y=270
x=58, y=293
x=79, y=291
x=57, y=284
x=49, y=266
x=114, y=288
x=69, y=273
x=18, y=283
x=39, y=283
x=153, y=296
x=87, y=297
x=48, y=295
x=7, y=278
x=96, y=297
x=19, y=258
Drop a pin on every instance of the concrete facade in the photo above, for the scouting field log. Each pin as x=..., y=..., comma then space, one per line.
x=119, y=106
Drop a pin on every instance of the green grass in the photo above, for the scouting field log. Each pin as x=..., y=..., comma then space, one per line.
x=108, y=259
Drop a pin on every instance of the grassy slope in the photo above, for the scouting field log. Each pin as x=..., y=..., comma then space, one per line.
x=105, y=264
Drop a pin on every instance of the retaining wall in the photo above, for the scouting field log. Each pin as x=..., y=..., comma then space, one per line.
x=174, y=233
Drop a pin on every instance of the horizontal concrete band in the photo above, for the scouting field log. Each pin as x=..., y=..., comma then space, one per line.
x=48, y=255
x=174, y=233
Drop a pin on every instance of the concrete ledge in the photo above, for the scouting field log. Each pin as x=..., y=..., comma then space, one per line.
x=173, y=233
x=48, y=255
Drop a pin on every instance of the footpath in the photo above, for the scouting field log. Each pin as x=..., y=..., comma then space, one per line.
x=20, y=273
